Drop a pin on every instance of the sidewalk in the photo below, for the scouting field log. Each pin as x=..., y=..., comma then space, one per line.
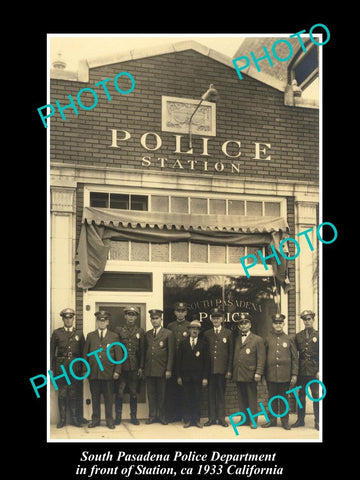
x=174, y=432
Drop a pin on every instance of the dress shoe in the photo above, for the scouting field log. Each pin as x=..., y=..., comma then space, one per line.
x=223, y=423
x=253, y=427
x=187, y=425
x=93, y=424
x=134, y=421
x=117, y=421
x=286, y=426
x=317, y=425
x=209, y=422
x=75, y=423
x=111, y=426
x=268, y=425
x=198, y=425
x=61, y=424
x=298, y=423
x=163, y=422
x=82, y=420
x=149, y=421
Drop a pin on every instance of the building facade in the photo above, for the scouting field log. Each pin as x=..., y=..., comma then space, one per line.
x=156, y=194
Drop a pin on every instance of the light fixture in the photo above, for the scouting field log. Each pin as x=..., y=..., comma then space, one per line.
x=211, y=95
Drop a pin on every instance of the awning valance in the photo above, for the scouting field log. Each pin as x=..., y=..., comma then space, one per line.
x=101, y=226
x=179, y=221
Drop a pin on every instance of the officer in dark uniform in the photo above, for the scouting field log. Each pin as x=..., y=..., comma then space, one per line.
x=281, y=368
x=307, y=344
x=102, y=380
x=133, y=337
x=174, y=392
x=193, y=372
x=249, y=364
x=159, y=362
x=66, y=344
x=221, y=348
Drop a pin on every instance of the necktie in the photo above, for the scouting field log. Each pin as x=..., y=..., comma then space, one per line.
x=216, y=331
x=154, y=333
x=102, y=335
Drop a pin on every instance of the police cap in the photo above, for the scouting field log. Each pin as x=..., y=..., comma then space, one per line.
x=180, y=306
x=131, y=310
x=307, y=313
x=244, y=317
x=194, y=324
x=67, y=312
x=278, y=317
x=217, y=312
x=102, y=315
x=155, y=313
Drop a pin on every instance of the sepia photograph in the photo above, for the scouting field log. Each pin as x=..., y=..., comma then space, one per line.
x=185, y=230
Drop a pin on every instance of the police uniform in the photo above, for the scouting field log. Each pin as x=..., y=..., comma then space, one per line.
x=66, y=344
x=249, y=360
x=102, y=380
x=193, y=369
x=133, y=338
x=159, y=358
x=174, y=392
x=281, y=366
x=221, y=348
x=307, y=344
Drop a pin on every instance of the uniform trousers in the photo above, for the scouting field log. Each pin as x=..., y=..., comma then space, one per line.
x=156, y=395
x=314, y=388
x=191, y=396
x=216, y=396
x=105, y=387
x=129, y=379
x=173, y=400
x=278, y=406
x=247, y=397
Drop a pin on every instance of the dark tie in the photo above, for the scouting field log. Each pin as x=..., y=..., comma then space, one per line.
x=192, y=344
x=102, y=335
x=154, y=333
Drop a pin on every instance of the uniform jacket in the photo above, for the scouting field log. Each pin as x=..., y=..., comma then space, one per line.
x=134, y=341
x=159, y=352
x=249, y=358
x=180, y=331
x=221, y=350
x=193, y=364
x=308, y=352
x=64, y=348
x=281, y=358
x=92, y=343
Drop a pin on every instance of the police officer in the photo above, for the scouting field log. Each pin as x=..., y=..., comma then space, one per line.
x=220, y=347
x=66, y=344
x=132, y=337
x=281, y=368
x=159, y=361
x=249, y=364
x=307, y=344
x=174, y=392
x=101, y=380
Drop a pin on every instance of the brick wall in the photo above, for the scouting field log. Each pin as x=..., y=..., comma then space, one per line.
x=247, y=110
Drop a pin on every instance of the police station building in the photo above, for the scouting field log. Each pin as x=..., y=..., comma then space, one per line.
x=175, y=170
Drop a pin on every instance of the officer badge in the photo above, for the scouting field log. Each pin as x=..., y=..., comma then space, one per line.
x=161, y=344
x=138, y=335
x=224, y=340
x=76, y=338
x=284, y=344
x=197, y=354
x=185, y=334
x=314, y=339
x=247, y=351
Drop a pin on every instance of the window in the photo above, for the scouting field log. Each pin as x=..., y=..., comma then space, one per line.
x=119, y=201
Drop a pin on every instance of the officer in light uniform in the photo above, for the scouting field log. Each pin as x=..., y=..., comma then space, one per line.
x=220, y=347
x=281, y=368
x=174, y=392
x=159, y=362
x=249, y=364
x=307, y=344
x=133, y=338
x=66, y=344
x=101, y=381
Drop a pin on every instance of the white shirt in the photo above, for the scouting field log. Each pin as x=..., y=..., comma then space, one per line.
x=193, y=341
x=104, y=332
x=217, y=330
